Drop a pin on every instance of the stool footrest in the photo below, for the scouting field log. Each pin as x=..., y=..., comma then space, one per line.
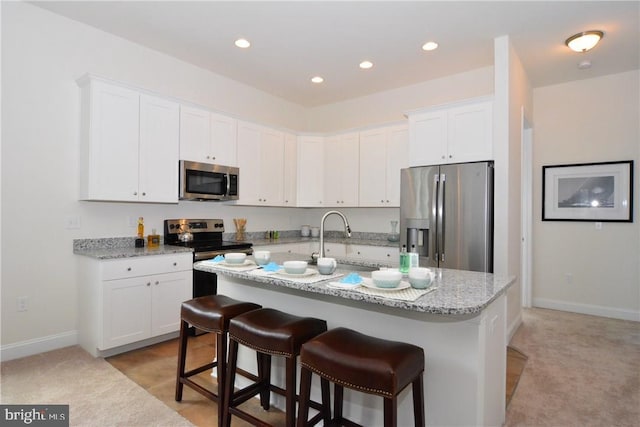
x=200, y=369
x=197, y=387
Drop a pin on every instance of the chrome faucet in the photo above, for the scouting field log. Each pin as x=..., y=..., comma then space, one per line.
x=347, y=230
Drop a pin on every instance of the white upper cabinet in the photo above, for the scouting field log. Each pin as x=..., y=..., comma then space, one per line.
x=383, y=152
x=261, y=163
x=207, y=137
x=158, y=168
x=341, y=170
x=129, y=147
x=452, y=134
x=310, y=171
x=290, y=169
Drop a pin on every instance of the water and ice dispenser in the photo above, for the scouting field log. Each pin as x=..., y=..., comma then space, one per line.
x=415, y=234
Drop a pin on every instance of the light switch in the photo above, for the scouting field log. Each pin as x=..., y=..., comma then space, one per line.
x=72, y=222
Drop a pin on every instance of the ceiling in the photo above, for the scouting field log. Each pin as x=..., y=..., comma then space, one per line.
x=296, y=40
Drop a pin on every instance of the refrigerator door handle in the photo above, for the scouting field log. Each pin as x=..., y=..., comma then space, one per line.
x=433, y=227
x=441, y=217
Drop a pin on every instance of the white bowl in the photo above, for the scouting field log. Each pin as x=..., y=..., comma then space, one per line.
x=295, y=267
x=386, y=278
x=235, y=257
x=262, y=257
x=420, y=277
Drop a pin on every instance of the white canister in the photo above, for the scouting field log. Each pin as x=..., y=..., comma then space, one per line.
x=315, y=231
x=305, y=230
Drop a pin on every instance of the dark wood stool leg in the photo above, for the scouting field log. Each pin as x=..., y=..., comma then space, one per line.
x=418, y=401
x=290, y=390
x=221, y=361
x=338, y=393
x=182, y=355
x=305, y=396
x=326, y=401
x=264, y=373
x=391, y=411
x=229, y=382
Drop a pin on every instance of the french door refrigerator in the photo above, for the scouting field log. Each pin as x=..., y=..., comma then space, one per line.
x=446, y=215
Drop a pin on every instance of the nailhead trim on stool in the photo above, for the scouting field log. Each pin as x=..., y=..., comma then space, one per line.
x=270, y=333
x=367, y=364
x=210, y=313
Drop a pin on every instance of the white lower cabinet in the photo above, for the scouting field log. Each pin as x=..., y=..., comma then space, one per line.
x=130, y=300
x=384, y=254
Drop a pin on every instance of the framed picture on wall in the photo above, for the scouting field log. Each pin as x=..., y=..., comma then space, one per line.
x=596, y=192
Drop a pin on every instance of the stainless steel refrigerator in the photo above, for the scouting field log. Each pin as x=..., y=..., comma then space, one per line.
x=446, y=215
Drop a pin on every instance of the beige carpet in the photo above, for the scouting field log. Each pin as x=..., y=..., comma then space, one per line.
x=96, y=392
x=581, y=371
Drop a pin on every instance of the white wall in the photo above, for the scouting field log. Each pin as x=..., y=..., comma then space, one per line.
x=390, y=106
x=591, y=120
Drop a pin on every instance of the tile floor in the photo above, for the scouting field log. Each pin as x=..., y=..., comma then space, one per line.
x=154, y=369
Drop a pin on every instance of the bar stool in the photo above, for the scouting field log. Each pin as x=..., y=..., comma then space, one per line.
x=210, y=313
x=367, y=364
x=270, y=333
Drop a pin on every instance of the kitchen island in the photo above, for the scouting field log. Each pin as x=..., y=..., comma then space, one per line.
x=460, y=323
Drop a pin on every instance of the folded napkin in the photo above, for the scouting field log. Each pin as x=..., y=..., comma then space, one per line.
x=271, y=267
x=352, y=279
x=218, y=258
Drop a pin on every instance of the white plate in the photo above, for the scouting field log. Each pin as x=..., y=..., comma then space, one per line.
x=244, y=264
x=368, y=283
x=307, y=273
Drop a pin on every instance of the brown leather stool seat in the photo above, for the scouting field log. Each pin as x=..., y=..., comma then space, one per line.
x=270, y=333
x=210, y=313
x=367, y=364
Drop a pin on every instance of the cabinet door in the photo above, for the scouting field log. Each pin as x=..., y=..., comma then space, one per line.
x=373, y=168
x=249, y=163
x=159, y=150
x=223, y=140
x=310, y=171
x=272, y=168
x=195, y=134
x=341, y=170
x=168, y=291
x=126, y=315
x=290, y=178
x=470, y=133
x=112, y=147
x=397, y=159
x=332, y=172
x=428, y=138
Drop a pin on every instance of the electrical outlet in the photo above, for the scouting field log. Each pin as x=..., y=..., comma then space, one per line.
x=22, y=303
x=598, y=226
x=132, y=221
x=569, y=278
x=72, y=222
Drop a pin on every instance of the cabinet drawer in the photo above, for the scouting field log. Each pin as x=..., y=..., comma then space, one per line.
x=143, y=266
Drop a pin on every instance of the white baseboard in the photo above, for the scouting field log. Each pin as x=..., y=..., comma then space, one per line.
x=513, y=327
x=38, y=345
x=594, y=310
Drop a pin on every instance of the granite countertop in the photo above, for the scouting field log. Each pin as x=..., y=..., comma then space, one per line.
x=457, y=292
x=120, y=247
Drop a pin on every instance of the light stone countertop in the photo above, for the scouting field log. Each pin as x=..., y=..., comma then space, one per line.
x=458, y=292
x=120, y=247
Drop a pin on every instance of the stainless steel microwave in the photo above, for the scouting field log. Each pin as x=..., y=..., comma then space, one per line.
x=203, y=181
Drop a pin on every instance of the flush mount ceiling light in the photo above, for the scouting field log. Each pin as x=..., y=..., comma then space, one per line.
x=430, y=46
x=365, y=65
x=317, y=79
x=584, y=41
x=242, y=43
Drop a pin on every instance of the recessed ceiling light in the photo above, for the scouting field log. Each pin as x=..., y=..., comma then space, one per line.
x=584, y=41
x=430, y=46
x=365, y=65
x=243, y=43
x=317, y=79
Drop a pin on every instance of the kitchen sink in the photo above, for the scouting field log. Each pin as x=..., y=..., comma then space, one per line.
x=351, y=267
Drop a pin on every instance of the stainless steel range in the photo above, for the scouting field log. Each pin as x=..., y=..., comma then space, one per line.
x=204, y=236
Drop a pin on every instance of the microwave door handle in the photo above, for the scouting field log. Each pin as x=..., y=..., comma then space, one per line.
x=433, y=227
x=228, y=179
